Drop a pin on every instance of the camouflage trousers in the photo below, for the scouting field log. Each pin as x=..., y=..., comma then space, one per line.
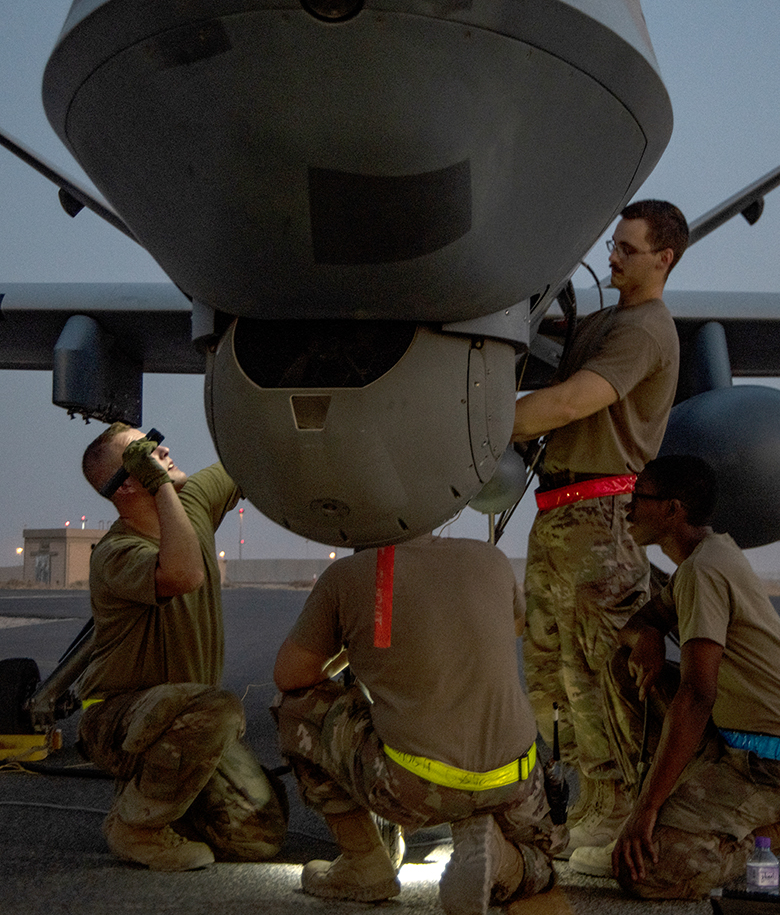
x=328, y=737
x=584, y=577
x=177, y=758
x=705, y=829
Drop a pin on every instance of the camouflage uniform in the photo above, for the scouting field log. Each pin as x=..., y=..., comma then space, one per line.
x=584, y=577
x=160, y=724
x=177, y=758
x=327, y=734
x=705, y=829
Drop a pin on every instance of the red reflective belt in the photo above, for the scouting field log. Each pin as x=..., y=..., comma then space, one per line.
x=587, y=489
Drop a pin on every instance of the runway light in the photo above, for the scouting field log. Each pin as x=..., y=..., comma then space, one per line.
x=331, y=555
x=19, y=550
x=67, y=524
x=221, y=554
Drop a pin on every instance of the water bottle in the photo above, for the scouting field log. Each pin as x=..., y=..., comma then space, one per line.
x=763, y=869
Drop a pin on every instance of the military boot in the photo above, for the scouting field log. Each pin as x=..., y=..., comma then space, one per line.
x=159, y=848
x=363, y=872
x=484, y=867
x=596, y=861
x=601, y=821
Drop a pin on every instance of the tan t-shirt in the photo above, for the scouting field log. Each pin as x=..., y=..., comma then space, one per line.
x=637, y=351
x=717, y=596
x=140, y=642
x=448, y=687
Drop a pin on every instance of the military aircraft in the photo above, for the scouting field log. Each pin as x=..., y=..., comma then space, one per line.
x=362, y=255
x=359, y=246
x=333, y=377
x=343, y=332
x=269, y=328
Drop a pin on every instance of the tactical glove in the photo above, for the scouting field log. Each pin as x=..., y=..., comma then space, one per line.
x=138, y=462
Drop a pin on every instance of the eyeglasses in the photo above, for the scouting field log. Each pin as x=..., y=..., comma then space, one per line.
x=625, y=251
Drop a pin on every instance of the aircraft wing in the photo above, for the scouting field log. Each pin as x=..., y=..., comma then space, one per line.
x=151, y=323
x=73, y=196
x=751, y=321
x=98, y=340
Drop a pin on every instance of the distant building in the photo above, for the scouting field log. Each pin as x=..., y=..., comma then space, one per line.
x=58, y=557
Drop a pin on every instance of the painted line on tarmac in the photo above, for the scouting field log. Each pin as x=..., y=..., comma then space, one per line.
x=14, y=622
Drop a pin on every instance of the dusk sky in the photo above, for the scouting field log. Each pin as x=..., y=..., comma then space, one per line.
x=719, y=60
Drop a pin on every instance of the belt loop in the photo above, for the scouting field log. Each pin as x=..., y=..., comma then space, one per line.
x=527, y=762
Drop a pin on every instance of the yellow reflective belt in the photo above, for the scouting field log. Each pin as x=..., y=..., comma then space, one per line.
x=85, y=703
x=451, y=777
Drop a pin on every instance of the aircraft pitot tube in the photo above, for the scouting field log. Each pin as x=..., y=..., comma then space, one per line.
x=367, y=162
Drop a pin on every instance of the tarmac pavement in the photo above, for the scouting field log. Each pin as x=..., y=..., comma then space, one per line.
x=54, y=860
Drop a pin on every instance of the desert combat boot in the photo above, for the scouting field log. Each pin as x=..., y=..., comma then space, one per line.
x=601, y=819
x=365, y=878
x=363, y=872
x=159, y=848
x=484, y=868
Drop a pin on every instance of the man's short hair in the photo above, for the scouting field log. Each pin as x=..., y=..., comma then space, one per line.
x=93, y=463
x=667, y=227
x=690, y=480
